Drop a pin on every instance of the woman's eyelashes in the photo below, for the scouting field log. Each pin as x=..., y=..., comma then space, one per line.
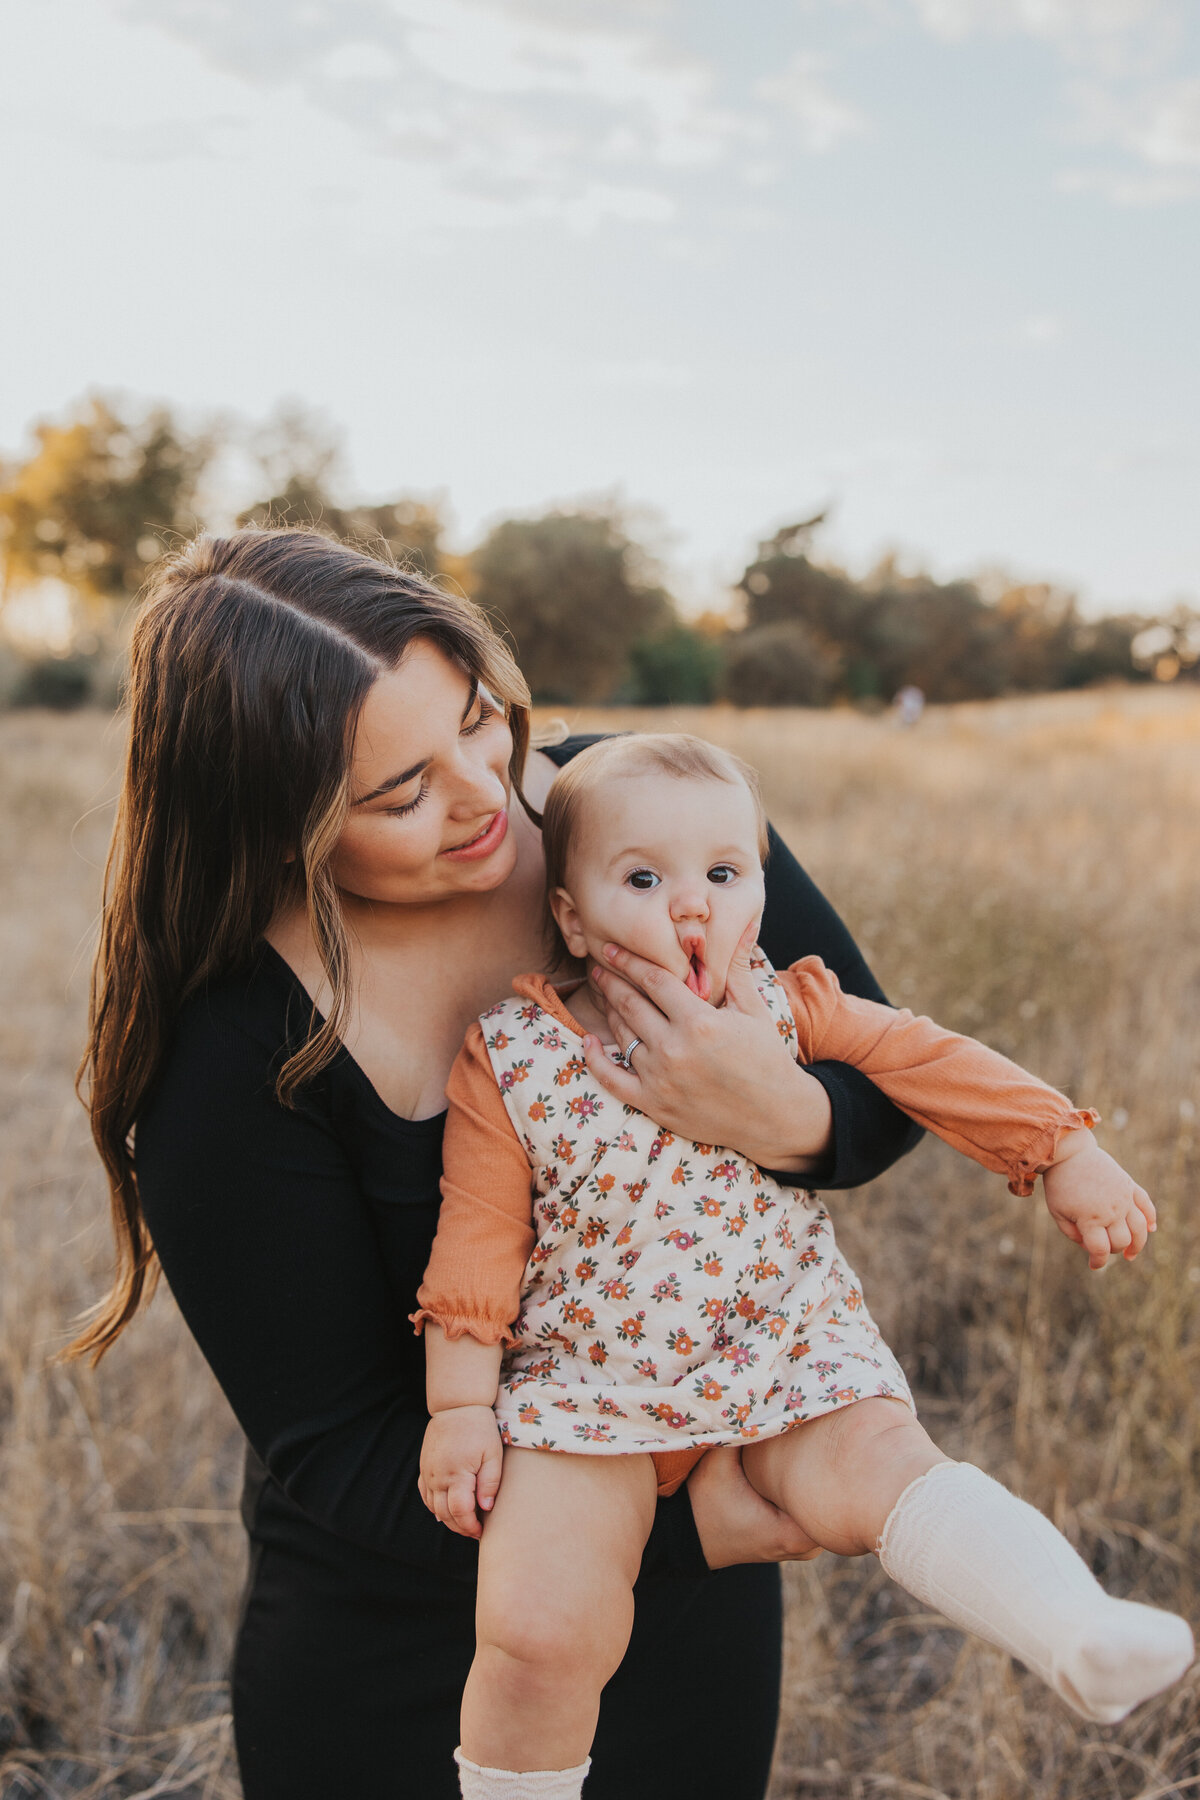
x=487, y=712
x=410, y=806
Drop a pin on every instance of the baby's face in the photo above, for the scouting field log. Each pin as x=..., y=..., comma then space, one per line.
x=667, y=867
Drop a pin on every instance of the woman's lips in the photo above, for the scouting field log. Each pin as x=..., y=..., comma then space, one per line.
x=489, y=839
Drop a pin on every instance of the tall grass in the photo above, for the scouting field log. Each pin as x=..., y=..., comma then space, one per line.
x=1026, y=871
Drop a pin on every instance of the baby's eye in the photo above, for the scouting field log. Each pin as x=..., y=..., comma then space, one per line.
x=643, y=880
x=721, y=874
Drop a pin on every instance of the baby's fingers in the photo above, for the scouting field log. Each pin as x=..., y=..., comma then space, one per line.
x=1145, y=1206
x=1096, y=1243
x=460, y=1505
x=1120, y=1237
x=487, y=1482
x=1138, y=1228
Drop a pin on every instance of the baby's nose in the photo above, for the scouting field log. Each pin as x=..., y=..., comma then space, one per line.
x=689, y=903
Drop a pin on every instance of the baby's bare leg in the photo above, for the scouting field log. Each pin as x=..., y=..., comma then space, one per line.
x=868, y=1478
x=560, y=1554
x=839, y=1476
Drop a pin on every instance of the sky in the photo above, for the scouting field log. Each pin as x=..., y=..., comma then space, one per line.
x=932, y=264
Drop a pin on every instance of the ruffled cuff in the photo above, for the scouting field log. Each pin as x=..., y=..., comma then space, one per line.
x=1040, y=1154
x=457, y=1325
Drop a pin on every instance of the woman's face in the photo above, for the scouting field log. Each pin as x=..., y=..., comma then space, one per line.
x=429, y=787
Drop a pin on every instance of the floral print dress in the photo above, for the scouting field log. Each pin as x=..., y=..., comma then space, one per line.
x=675, y=1295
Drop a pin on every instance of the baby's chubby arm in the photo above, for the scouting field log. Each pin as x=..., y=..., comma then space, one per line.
x=462, y=1454
x=982, y=1104
x=471, y=1292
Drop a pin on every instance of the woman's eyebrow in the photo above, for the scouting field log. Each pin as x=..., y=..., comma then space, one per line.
x=395, y=781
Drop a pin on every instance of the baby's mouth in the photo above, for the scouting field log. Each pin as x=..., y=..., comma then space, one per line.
x=698, y=978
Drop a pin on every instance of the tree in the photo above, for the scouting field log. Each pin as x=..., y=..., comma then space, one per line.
x=299, y=457
x=573, y=592
x=785, y=664
x=99, y=499
x=956, y=640
x=680, y=666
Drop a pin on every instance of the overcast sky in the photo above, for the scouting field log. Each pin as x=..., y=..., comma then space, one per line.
x=933, y=261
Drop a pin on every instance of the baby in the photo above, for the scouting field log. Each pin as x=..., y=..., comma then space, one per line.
x=605, y=1302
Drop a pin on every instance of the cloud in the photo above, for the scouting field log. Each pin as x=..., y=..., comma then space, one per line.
x=162, y=140
x=583, y=111
x=824, y=120
x=1097, y=32
x=1042, y=329
x=1125, y=94
x=643, y=372
x=1167, y=133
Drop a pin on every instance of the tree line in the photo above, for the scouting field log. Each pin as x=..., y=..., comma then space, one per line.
x=99, y=498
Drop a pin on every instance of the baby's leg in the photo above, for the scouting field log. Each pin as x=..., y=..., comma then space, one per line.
x=840, y=1475
x=560, y=1554
x=868, y=1477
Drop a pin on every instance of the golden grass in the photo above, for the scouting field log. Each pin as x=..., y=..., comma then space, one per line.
x=1024, y=870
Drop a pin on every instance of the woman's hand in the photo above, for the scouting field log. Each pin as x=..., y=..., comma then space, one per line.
x=461, y=1460
x=715, y=1075
x=735, y=1524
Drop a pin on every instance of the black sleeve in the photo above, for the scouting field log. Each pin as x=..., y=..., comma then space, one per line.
x=869, y=1133
x=269, y=1251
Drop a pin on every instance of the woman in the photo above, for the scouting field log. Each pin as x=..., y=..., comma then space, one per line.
x=326, y=863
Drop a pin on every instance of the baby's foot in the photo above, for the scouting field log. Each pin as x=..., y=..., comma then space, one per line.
x=1124, y=1653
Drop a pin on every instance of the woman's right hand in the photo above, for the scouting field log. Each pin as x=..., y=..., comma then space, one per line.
x=734, y=1523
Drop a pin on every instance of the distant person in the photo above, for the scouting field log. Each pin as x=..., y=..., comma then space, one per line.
x=326, y=863
x=606, y=1302
x=909, y=705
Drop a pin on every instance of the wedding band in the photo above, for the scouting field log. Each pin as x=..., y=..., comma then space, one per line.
x=627, y=1053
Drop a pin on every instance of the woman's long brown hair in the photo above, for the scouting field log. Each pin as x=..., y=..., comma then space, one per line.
x=251, y=659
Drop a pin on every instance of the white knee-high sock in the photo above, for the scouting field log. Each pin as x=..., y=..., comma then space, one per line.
x=994, y=1566
x=516, y=1784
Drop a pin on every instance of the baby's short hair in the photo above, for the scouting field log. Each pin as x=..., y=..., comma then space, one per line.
x=675, y=753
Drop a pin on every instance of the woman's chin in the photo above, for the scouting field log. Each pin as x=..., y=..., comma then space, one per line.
x=481, y=877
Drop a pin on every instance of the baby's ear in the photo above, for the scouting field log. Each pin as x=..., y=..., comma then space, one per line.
x=567, y=919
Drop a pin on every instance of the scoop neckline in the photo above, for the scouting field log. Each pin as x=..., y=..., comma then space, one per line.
x=428, y=1126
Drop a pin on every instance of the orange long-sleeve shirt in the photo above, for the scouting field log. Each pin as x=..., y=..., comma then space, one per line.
x=978, y=1101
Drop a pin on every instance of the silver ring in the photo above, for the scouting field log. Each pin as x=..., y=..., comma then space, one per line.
x=626, y=1054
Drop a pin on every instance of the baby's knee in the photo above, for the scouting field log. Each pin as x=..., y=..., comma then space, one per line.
x=874, y=1434
x=550, y=1640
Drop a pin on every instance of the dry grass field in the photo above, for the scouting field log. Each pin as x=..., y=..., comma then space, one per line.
x=1027, y=871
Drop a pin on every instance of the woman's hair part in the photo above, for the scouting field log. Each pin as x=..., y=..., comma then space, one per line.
x=250, y=661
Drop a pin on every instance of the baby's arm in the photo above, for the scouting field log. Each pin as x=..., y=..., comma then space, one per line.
x=981, y=1103
x=471, y=1291
x=462, y=1454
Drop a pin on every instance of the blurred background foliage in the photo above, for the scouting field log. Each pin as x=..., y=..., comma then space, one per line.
x=98, y=499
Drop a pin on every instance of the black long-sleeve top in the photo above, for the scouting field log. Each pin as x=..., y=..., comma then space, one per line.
x=294, y=1242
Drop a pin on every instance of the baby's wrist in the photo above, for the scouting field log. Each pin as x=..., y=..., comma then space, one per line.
x=439, y=1407
x=1072, y=1143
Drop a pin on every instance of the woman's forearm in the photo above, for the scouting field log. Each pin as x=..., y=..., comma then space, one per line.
x=793, y=1132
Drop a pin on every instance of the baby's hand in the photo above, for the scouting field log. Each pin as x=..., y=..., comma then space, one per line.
x=461, y=1459
x=1095, y=1203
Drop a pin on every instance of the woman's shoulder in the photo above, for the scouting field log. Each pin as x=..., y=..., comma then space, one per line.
x=230, y=1037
